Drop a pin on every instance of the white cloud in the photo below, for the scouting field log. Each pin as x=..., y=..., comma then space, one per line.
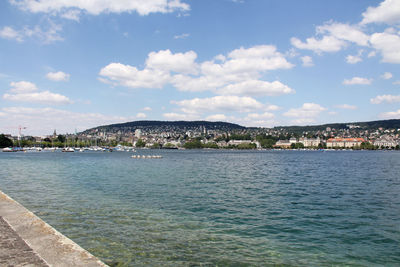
x=238, y=69
x=216, y=117
x=388, y=12
x=307, y=61
x=182, y=36
x=240, y=65
x=9, y=33
x=141, y=115
x=147, y=108
x=371, y=54
x=303, y=121
x=47, y=36
x=220, y=58
x=166, y=61
x=346, y=106
x=271, y=107
x=385, y=98
x=219, y=103
x=306, y=111
x=22, y=87
x=180, y=117
x=258, y=116
x=396, y=82
x=40, y=121
x=357, y=80
x=125, y=75
x=390, y=115
x=292, y=52
x=44, y=97
x=353, y=59
x=256, y=87
x=265, y=119
x=332, y=37
x=387, y=75
x=24, y=91
x=326, y=44
x=389, y=46
x=58, y=76
x=96, y=7
x=72, y=14
x=344, y=32
x=253, y=59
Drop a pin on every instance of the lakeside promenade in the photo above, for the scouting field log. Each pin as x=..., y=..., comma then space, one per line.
x=26, y=240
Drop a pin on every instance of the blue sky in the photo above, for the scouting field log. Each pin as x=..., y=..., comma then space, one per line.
x=72, y=65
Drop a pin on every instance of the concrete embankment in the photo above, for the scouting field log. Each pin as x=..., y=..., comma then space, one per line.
x=26, y=240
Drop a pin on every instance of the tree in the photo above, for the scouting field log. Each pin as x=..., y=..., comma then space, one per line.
x=61, y=138
x=168, y=146
x=193, y=144
x=156, y=146
x=247, y=146
x=367, y=145
x=140, y=143
x=297, y=145
x=211, y=145
x=5, y=141
x=266, y=141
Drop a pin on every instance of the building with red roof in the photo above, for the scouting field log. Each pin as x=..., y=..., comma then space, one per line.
x=344, y=142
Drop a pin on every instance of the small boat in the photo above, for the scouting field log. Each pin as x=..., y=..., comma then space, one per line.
x=9, y=149
x=68, y=149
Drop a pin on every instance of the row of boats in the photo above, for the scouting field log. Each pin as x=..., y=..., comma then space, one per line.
x=69, y=149
x=146, y=156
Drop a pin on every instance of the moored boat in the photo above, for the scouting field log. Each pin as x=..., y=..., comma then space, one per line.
x=9, y=149
x=68, y=149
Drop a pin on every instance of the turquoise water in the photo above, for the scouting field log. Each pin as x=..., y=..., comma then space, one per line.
x=217, y=208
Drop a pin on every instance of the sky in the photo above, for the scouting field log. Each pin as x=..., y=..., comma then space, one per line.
x=72, y=65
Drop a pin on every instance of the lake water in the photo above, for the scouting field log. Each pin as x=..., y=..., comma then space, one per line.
x=217, y=208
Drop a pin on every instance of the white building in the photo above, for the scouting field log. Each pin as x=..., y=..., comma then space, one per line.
x=344, y=142
x=310, y=142
x=386, y=141
x=138, y=133
x=283, y=144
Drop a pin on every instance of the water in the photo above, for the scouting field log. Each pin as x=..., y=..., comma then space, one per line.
x=217, y=208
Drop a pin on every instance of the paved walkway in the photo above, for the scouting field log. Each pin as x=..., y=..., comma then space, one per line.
x=26, y=240
x=14, y=251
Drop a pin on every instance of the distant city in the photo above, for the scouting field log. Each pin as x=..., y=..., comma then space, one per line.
x=217, y=135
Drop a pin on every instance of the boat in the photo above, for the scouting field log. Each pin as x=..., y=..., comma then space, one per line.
x=9, y=149
x=68, y=149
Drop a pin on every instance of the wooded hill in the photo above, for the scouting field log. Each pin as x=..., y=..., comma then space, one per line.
x=231, y=127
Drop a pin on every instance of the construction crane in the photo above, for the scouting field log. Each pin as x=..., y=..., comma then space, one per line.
x=20, y=128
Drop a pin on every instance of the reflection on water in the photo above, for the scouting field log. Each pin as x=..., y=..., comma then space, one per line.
x=217, y=207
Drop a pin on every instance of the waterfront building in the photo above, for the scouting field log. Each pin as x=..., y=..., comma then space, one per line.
x=222, y=144
x=310, y=142
x=283, y=144
x=386, y=141
x=344, y=142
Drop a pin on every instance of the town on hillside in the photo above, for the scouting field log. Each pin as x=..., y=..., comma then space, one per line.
x=216, y=135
